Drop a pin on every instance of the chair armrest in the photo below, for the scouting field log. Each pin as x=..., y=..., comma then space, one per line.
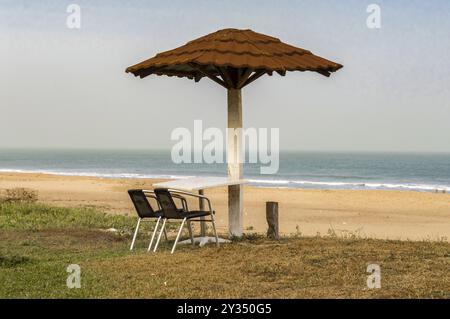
x=183, y=201
x=151, y=194
x=178, y=192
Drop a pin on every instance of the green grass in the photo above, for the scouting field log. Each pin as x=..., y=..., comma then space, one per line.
x=35, y=217
x=38, y=242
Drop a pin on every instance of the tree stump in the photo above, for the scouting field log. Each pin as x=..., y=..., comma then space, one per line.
x=272, y=220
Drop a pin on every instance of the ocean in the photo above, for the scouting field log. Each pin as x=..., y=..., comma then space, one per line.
x=308, y=170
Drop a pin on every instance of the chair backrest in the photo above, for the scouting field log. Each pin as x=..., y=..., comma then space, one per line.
x=140, y=201
x=167, y=203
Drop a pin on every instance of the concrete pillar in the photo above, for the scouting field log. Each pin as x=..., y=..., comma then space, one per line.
x=235, y=163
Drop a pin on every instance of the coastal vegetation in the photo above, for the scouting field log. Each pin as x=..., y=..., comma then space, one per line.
x=38, y=242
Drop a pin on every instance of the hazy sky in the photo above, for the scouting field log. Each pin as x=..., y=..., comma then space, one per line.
x=62, y=87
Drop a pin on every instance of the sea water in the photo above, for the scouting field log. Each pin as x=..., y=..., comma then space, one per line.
x=309, y=170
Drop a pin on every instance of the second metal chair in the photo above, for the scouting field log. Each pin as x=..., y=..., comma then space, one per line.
x=171, y=211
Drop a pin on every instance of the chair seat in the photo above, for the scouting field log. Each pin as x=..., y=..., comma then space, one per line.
x=156, y=214
x=191, y=214
x=197, y=213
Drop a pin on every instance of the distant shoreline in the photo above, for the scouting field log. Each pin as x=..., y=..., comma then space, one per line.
x=261, y=183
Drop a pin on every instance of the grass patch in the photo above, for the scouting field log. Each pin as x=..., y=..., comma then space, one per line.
x=13, y=261
x=38, y=242
x=34, y=217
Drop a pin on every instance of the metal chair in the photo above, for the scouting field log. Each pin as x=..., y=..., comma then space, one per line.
x=144, y=210
x=171, y=211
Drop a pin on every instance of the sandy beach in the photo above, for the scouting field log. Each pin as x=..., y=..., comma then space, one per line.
x=369, y=213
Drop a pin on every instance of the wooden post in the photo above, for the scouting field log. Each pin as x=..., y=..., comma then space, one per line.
x=272, y=220
x=235, y=160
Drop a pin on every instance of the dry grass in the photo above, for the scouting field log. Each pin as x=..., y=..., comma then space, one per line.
x=291, y=268
x=33, y=264
x=18, y=195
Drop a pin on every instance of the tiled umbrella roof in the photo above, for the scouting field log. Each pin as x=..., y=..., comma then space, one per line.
x=233, y=58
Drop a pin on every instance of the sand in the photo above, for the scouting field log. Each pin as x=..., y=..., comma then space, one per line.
x=379, y=214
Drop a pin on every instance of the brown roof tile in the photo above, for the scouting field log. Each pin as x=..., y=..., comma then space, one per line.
x=235, y=50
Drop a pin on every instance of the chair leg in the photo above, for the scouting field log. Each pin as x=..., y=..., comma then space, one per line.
x=178, y=236
x=154, y=233
x=165, y=234
x=190, y=232
x=135, y=233
x=213, y=221
x=160, y=234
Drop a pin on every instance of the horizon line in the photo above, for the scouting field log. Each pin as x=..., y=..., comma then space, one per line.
x=247, y=151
